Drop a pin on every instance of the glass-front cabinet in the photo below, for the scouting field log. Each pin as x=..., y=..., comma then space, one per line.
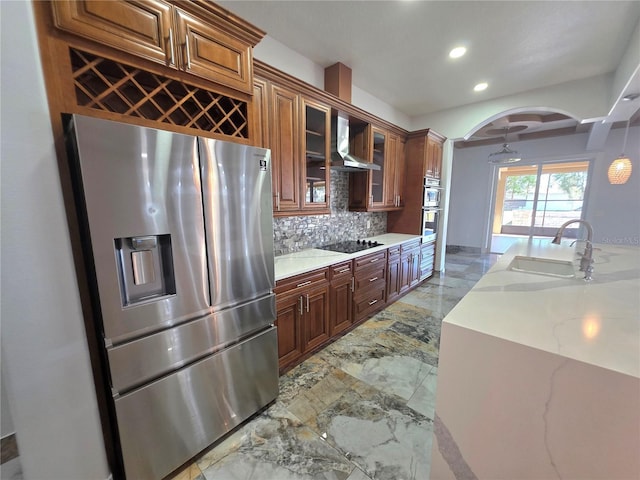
x=377, y=190
x=315, y=149
x=377, y=177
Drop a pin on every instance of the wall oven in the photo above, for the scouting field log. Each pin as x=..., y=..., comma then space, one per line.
x=430, y=219
x=430, y=208
x=431, y=196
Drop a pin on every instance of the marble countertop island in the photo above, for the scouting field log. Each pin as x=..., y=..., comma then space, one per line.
x=313, y=258
x=539, y=376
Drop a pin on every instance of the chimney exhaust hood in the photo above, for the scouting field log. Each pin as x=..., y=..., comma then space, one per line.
x=341, y=159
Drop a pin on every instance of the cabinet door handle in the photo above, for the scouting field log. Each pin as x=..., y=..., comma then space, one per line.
x=303, y=283
x=373, y=301
x=171, y=59
x=307, y=303
x=353, y=284
x=373, y=279
x=345, y=270
x=186, y=46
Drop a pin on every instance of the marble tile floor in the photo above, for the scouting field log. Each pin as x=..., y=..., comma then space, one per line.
x=360, y=409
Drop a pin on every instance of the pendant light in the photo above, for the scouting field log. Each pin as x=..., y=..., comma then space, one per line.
x=506, y=155
x=620, y=169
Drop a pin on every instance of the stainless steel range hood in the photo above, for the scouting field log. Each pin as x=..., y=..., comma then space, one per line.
x=341, y=159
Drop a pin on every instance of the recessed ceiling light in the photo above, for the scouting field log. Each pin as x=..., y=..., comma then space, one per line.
x=480, y=87
x=457, y=52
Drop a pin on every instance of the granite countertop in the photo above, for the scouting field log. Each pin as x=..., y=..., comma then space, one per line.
x=595, y=322
x=311, y=259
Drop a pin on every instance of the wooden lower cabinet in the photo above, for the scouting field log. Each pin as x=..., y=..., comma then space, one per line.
x=409, y=265
x=315, y=325
x=315, y=307
x=289, y=323
x=302, y=315
x=341, y=297
x=393, y=274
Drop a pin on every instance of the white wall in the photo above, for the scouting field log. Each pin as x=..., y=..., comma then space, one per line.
x=613, y=210
x=46, y=368
x=278, y=55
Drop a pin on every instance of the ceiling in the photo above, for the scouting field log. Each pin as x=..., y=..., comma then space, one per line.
x=398, y=50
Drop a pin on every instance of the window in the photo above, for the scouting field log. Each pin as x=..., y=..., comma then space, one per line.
x=534, y=200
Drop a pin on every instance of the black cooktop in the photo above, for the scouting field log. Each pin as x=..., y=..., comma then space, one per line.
x=350, y=246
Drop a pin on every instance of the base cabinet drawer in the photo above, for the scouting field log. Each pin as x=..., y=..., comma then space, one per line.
x=366, y=261
x=364, y=280
x=374, y=300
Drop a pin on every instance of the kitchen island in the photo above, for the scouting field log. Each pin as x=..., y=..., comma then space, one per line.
x=539, y=375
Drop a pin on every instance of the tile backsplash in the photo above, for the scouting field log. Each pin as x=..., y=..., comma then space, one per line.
x=291, y=234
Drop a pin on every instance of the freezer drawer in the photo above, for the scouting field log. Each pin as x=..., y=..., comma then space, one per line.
x=140, y=361
x=167, y=422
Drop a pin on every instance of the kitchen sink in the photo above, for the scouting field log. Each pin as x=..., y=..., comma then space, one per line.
x=542, y=266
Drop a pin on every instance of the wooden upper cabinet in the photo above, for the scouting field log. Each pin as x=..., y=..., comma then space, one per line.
x=422, y=156
x=159, y=31
x=399, y=173
x=260, y=123
x=285, y=149
x=377, y=190
x=433, y=157
x=316, y=155
x=394, y=180
x=378, y=178
x=139, y=27
x=210, y=53
x=298, y=134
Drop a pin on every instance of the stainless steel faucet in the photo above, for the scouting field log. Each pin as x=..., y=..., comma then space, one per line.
x=586, y=261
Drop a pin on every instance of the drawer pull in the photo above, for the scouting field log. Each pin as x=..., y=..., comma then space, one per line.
x=373, y=301
x=303, y=284
x=344, y=270
x=373, y=279
x=374, y=260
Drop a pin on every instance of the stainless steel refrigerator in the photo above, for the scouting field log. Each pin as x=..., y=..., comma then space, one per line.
x=179, y=245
